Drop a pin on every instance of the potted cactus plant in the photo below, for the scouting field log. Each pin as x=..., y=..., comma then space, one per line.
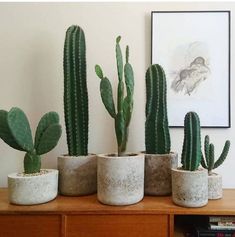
x=120, y=175
x=190, y=183
x=215, y=190
x=158, y=158
x=78, y=169
x=34, y=185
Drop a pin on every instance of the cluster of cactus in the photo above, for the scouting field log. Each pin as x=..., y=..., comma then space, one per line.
x=157, y=136
x=75, y=91
x=191, y=154
x=124, y=103
x=209, y=162
x=15, y=131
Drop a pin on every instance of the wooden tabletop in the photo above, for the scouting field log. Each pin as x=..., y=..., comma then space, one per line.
x=90, y=205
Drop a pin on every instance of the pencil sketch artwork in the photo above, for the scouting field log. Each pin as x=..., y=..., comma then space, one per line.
x=191, y=68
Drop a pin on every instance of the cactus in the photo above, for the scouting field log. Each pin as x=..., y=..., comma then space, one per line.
x=191, y=154
x=75, y=91
x=209, y=162
x=157, y=136
x=124, y=103
x=15, y=131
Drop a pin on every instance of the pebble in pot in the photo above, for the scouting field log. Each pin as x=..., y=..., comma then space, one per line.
x=215, y=190
x=34, y=185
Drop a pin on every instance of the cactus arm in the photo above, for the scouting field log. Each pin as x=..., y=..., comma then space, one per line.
x=32, y=163
x=223, y=155
x=5, y=132
x=49, y=139
x=107, y=96
x=119, y=59
x=99, y=71
x=47, y=120
x=207, y=148
x=211, y=158
x=120, y=132
x=75, y=91
x=20, y=129
x=203, y=163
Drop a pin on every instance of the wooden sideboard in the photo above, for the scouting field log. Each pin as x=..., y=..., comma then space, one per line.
x=86, y=217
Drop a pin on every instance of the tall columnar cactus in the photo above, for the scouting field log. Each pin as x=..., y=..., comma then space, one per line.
x=209, y=162
x=124, y=103
x=191, y=154
x=157, y=136
x=15, y=131
x=75, y=91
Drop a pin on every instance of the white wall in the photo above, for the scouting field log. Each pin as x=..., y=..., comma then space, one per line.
x=31, y=70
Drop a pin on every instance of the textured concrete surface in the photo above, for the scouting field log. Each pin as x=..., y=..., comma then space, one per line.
x=120, y=179
x=77, y=175
x=157, y=180
x=215, y=190
x=190, y=188
x=29, y=190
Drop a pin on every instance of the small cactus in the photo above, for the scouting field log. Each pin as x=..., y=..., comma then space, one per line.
x=124, y=103
x=157, y=136
x=15, y=131
x=191, y=154
x=209, y=162
x=75, y=92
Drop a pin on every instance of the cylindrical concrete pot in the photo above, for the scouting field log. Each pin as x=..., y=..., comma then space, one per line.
x=215, y=190
x=120, y=179
x=157, y=179
x=190, y=188
x=77, y=175
x=33, y=188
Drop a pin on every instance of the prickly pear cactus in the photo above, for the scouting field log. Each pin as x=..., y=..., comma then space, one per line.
x=15, y=131
x=125, y=93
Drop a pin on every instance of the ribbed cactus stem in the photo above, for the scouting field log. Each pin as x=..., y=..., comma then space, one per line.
x=191, y=154
x=75, y=91
x=208, y=162
x=157, y=136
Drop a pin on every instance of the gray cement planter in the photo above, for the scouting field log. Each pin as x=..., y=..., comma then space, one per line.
x=77, y=175
x=215, y=190
x=157, y=180
x=190, y=188
x=33, y=189
x=120, y=179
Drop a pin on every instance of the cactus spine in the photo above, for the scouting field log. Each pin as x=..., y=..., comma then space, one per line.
x=75, y=91
x=16, y=132
x=157, y=136
x=209, y=162
x=191, y=154
x=124, y=103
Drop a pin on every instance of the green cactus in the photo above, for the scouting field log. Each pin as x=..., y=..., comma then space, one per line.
x=191, y=154
x=209, y=162
x=157, y=136
x=124, y=103
x=75, y=91
x=15, y=131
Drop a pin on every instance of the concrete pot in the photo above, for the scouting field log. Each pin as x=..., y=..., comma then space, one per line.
x=215, y=190
x=120, y=179
x=157, y=179
x=77, y=175
x=33, y=189
x=190, y=188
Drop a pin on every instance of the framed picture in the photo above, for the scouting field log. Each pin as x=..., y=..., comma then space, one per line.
x=193, y=47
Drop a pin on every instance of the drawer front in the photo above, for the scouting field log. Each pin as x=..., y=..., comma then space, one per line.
x=117, y=225
x=30, y=225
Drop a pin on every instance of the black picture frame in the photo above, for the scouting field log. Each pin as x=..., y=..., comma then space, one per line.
x=153, y=61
